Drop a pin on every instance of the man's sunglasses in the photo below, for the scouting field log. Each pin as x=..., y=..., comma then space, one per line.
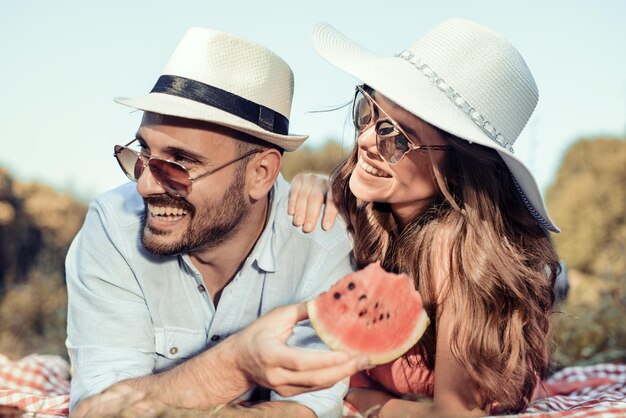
x=172, y=176
x=391, y=140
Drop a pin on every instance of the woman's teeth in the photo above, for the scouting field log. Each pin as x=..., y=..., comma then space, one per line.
x=373, y=171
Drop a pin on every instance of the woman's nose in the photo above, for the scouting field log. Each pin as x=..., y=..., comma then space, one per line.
x=367, y=140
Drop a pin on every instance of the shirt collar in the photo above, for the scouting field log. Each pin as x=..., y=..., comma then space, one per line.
x=263, y=254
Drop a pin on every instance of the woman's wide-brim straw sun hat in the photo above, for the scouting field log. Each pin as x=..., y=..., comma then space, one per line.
x=220, y=78
x=461, y=77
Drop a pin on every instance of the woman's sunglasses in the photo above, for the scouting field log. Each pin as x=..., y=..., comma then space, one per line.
x=391, y=141
x=172, y=176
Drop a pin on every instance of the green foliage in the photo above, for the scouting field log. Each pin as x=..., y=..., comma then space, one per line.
x=321, y=160
x=588, y=202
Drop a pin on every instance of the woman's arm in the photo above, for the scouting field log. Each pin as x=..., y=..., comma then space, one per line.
x=455, y=394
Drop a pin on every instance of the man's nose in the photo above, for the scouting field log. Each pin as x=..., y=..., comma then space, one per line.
x=147, y=184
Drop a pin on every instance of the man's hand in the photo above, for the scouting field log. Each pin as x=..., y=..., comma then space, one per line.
x=258, y=354
x=308, y=194
x=265, y=358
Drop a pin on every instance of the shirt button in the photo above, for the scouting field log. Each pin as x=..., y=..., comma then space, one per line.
x=215, y=337
x=201, y=288
x=173, y=350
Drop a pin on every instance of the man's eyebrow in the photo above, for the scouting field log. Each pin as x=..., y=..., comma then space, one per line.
x=140, y=139
x=187, y=153
x=175, y=150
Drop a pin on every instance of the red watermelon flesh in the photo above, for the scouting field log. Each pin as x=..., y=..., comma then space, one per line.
x=372, y=312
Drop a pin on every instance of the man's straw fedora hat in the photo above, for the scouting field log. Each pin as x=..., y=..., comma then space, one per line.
x=220, y=78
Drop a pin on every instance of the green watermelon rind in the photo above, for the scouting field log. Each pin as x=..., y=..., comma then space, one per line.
x=420, y=327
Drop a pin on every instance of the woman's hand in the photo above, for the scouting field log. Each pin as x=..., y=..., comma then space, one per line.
x=265, y=359
x=308, y=194
x=369, y=402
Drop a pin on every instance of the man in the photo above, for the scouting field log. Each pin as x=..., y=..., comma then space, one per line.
x=166, y=280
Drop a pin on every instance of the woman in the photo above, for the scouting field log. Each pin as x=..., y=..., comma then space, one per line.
x=432, y=188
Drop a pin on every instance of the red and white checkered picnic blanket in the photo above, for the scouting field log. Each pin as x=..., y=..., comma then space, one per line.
x=574, y=392
x=586, y=391
x=38, y=385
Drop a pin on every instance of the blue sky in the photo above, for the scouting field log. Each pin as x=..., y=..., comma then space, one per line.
x=63, y=62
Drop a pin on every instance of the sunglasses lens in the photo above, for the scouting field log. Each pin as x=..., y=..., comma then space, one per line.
x=129, y=162
x=392, y=144
x=361, y=112
x=172, y=177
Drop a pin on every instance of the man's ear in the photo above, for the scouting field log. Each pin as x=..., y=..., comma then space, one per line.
x=264, y=170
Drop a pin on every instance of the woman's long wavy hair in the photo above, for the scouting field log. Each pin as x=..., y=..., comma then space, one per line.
x=501, y=267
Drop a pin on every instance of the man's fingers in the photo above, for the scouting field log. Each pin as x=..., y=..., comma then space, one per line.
x=298, y=360
x=286, y=314
x=319, y=378
x=300, y=310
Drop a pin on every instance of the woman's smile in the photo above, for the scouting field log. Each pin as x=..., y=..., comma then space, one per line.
x=372, y=170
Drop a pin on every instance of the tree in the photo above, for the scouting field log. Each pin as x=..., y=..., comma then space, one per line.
x=588, y=202
x=313, y=160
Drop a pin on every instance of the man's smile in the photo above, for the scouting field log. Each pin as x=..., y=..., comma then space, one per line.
x=166, y=213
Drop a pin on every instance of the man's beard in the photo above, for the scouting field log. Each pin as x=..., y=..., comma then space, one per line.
x=208, y=227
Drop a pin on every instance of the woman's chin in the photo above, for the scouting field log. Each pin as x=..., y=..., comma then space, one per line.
x=363, y=190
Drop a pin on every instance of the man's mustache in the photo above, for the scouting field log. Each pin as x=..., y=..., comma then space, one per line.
x=166, y=200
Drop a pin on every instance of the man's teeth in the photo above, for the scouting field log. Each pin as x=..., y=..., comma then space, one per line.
x=374, y=171
x=166, y=211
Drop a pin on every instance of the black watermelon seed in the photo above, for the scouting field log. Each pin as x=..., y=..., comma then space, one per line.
x=362, y=297
x=351, y=286
x=387, y=315
x=337, y=295
x=363, y=312
x=376, y=306
x=380, y=318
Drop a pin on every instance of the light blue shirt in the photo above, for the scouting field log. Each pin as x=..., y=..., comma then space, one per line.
x=132, y=313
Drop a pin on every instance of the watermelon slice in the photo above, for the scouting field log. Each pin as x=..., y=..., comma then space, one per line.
x=372, y=312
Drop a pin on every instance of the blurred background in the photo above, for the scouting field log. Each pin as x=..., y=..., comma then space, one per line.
x=63, y=63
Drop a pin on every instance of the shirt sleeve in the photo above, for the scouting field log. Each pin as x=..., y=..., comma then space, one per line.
x=109, y=332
